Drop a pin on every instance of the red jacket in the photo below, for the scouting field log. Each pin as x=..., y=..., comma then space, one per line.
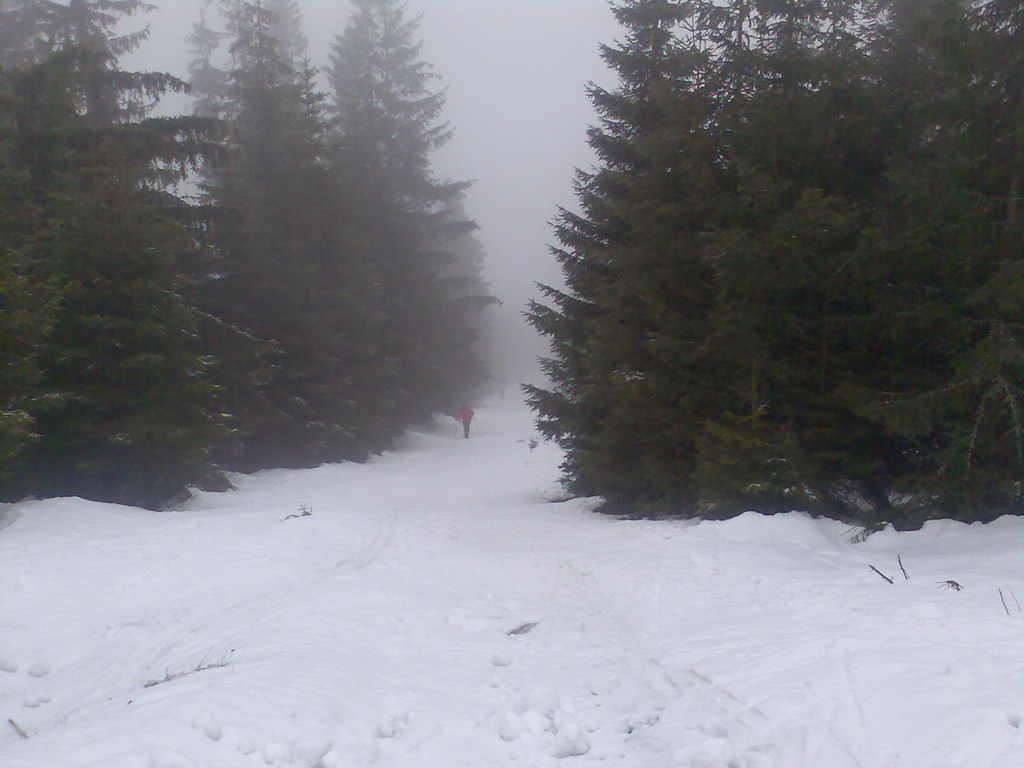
x=464, y=414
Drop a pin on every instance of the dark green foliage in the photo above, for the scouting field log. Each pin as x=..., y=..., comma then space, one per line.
x=629, y=331
x=796, y=279
x=132, y=422
x=118, y=397
x=953, y=245
x=27, y=295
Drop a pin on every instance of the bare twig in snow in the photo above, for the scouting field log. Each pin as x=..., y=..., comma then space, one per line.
x=21, y=731
x=200, y=667
x=304, y=511
x=900, y=561
x=880, y=574
x=950, y=584
x=1003, y=599
x=522, y=629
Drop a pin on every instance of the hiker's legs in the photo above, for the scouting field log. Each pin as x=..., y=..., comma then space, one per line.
x=465, y=428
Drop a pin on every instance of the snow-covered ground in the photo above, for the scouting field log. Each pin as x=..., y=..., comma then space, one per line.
x=437, y=610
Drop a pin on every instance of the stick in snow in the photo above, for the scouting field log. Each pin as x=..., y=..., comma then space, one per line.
x=880, y=574
x=21, y=731
x=522, y=629
x=1004, y=602
x=900, y=561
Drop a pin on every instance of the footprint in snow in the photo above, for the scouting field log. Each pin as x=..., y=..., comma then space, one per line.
x=6, y=665
x=208, y=725
x=565, y=737
x=510, y=727
x=39, y=669
x=570, y=741
x=391, y=723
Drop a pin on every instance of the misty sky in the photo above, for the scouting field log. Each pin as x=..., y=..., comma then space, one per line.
x=516, y=73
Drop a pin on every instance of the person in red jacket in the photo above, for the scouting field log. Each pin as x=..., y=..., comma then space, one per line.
x=465, y=415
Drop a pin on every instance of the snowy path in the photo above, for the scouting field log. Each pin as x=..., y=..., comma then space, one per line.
x=437, y=611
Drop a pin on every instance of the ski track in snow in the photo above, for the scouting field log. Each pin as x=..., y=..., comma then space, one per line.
x=437, y=611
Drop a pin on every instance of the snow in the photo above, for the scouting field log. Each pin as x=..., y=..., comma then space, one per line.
x=442, y=607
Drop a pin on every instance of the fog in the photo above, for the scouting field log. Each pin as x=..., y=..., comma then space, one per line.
x=516, y=73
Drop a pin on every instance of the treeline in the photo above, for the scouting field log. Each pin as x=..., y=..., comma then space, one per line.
x=797, y=280
x=276, y=280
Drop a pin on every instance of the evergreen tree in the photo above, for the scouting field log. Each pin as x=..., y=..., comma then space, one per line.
x=286, y=29
x=947, y=257
x=790, y=316
x=468, y=296
x=208, y=82
x=386, y=125
x=27, y=296
x=122, y=405
x=795, y=281
x=627, y=334
x=283, y=269
x=21, y=40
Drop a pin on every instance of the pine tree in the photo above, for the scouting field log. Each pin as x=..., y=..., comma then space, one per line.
x=122, y=405
x=468, y=297
x=796, y=278
x=386, y=125
x=27, y=295
x=627, y=333
x=948, y=259
x=284, y=271
x=791, y=315
x=21, y=40
x=286, y=29
x=208, y=82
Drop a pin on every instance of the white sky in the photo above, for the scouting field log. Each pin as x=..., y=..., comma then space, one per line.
x=516, y=73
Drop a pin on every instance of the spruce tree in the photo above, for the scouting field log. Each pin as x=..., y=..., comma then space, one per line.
x=948, y=259
x=283, y=270
x=468, y=297
x=386, y=125
x=27, y=295
x=286, y=29
x=122, y=405
x=208, y=82
x=795, y=280
x=627, y=334
x=790, y=321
